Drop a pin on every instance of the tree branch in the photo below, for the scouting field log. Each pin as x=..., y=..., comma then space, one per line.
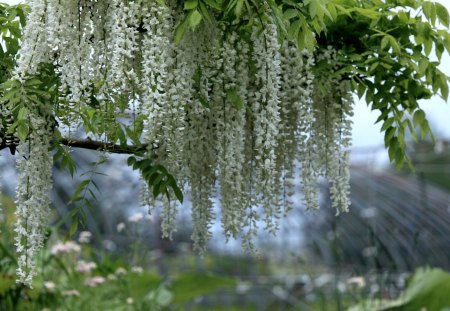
x=102, y=146
x=91, y=145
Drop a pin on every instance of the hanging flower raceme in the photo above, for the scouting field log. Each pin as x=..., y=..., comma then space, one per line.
x=297, y=119
x=331, y=131
x=227, y=110
x=32, y=203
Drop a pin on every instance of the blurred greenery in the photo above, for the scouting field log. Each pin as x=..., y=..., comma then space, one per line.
x=215, y=282
x=428, y=289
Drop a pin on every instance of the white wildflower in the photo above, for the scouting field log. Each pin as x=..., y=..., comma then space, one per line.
x=70, y=293
x=65, y=248
x=135, y=218
x=85, y=267
x=137, y=269
x=85, y=237
x=49, y=285
x=94, y=281
x=120, y=227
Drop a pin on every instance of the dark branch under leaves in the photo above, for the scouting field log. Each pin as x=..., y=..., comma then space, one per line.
x=90, y=145
x=102, y=146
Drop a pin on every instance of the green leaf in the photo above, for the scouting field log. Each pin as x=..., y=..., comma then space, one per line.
x=81, y=186
x=290, y=13
x=419, y=117
x=444, y=86
x=387, y=123
x=361, y=90
x=213, y=4
x=235, y=99
x=238, y=8
x=442, y=14
x=423, y=65
x=7, y=283
x=205, y=13
x=190, y=4
x=131, y=161
x=180, y=30
x=332, y=10
x=22, y=131
x=294, y=30
x=140, y=284
x=429, y=10
x=33, y=82
x=313, y=8
x=195, y=19
x=388, y=135
x=175, y=188
x=73, y=227
x=394, y=45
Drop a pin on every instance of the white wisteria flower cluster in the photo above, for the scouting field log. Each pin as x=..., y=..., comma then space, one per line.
x=231, y=112
x=32, y=202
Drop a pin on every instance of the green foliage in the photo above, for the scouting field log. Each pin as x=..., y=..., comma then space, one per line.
x=385, y=51
x=23, y=97
x=84, y=195
x=157, y=177
x=60, y=286
x=427, y=290
x=297, y=21
x=12, y=19
x=190, y=285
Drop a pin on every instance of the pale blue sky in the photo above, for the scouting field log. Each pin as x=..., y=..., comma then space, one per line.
x=367, y=134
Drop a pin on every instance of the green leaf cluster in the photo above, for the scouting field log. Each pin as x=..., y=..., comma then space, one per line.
x=157, y=178
x=298, y=21
x=385, y=50
x=12, y=20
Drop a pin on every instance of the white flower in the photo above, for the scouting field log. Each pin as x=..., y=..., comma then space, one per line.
x=70, y=293
x=85, y=237
x=85, y=267
x=135, y=218
x=120, y=227
x=94, y=281
x=121, y=271
x=49, y=285
x=359, y=281
x=65, y=247
x=137, y=269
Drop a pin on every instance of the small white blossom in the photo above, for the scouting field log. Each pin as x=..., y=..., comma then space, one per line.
x=135, y=218
x=85, y=267
x=49, y=285
x=70, y=293
x=120, y=227
x=137, y=269
x=94, y=281
x=121, y=271
x=85, y=237
x=359, y=281
x=65, y=248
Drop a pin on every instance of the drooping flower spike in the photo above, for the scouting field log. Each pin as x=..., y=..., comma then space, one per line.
x=231, y=113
